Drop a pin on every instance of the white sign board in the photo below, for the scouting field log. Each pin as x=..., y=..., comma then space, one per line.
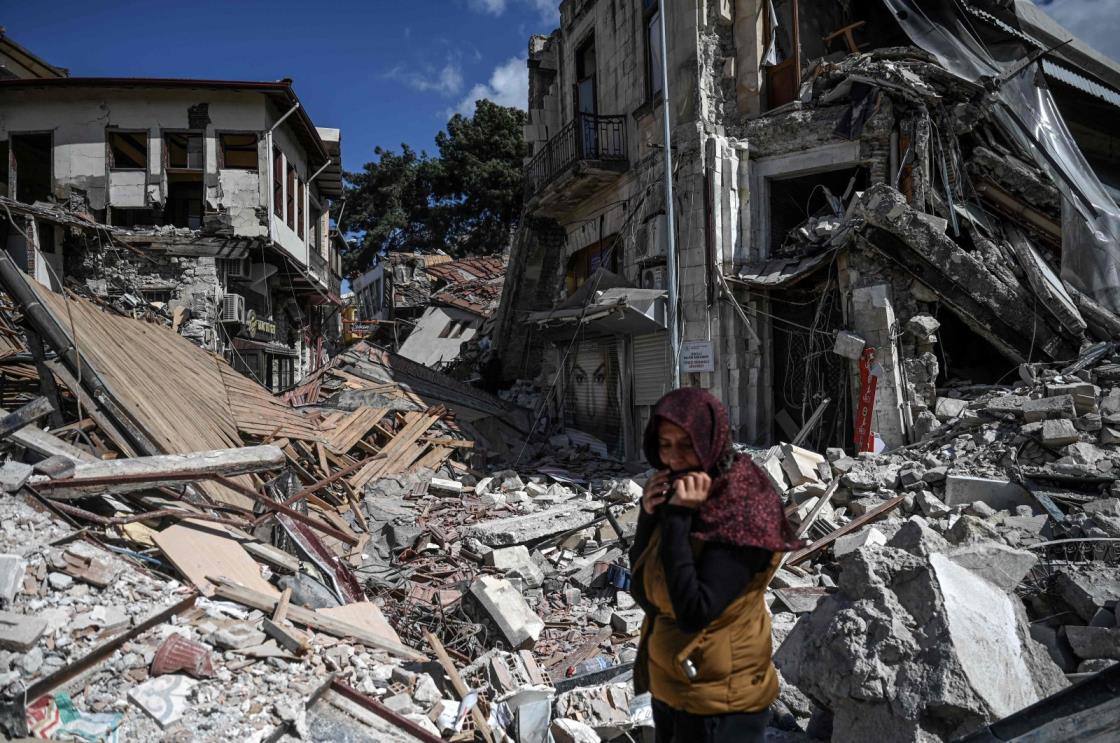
x=697, y=356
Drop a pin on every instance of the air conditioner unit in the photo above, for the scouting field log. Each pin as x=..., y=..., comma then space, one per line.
x=652, y=239
x=233, y=308
x=654, y=278
x=238, y=268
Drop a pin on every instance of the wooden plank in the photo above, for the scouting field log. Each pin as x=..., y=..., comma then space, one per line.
x=365, y=615
x=354, y=428
x=27, y=414
x=41, y=442
x=229, y=590
x=859, y=521
x=197, y=550
x=141, y=473
x=458, y=684
x=281, y=612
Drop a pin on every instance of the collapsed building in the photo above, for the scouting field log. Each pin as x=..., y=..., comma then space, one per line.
x=205, y=201
x=922, y=196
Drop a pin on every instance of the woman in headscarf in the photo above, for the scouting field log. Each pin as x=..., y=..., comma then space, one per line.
x=709, y=537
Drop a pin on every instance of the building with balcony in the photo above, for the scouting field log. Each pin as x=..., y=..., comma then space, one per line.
x=848, y=178
x=205, y=199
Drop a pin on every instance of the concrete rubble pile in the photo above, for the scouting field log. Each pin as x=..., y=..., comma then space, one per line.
x=955, y=581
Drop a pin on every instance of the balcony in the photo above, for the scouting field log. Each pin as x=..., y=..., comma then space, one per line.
x=586, y=155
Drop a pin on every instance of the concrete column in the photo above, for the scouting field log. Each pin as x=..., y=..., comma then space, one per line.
x=873, y=318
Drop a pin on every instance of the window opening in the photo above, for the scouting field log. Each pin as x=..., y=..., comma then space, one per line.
x=31, y=155
x=184, y=150
x=239, y=151
x=653, y=48
x=128, y=150
x=277, y=182
x=290, y=210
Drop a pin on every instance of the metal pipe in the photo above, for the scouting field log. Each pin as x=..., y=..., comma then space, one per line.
x=280, y=121
x=320, y=170
x=670, y=221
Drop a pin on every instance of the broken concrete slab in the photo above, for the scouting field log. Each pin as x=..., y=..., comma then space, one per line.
x=963, y=490
x=12, y=568
x=518, y=623
x=948, y=408
x=938, y=650
x=1094, y=642
x=852, y=542
x=800, y=465
x=20, y=632
x=1049, y=408
x=13, y=475
x=531, y=526
x=998, y=563
x=1058, y=432
x=628, y=621
x=516, y=562
x=1089, y=589
x=163, y=698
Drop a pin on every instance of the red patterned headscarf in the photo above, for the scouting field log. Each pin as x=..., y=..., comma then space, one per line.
x=743, y=508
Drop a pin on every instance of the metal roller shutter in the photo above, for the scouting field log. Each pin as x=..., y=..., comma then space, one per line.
x=651, y=377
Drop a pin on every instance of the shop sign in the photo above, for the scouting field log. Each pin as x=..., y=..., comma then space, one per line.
x=259, y=327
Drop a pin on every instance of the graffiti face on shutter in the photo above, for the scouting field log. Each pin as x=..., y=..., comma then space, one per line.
x=592, y=399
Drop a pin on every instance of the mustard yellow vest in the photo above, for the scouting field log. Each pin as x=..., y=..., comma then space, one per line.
x=732, y=656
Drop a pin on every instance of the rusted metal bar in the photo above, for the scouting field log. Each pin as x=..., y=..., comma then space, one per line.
x=317, y=486
x=379, y=709
x=101, y=652
x=162, y=513
x=281, y=508
x=856, y=523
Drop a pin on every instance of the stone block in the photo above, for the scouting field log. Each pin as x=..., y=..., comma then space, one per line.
x=1006, y=405
x=516, y=562
x=772, y=466
x=800, y=465
x=1088, y=590
x=237, y=636
x=1049, y=408
x=1094, y=642
x=930, y=505
x=998, y=563
x=1058, y=432
x=848, y=345
x=443, y=485
x=13, y=475
x=567, y=730
x=948, y=408
x=851, y=542
x=12, y=569
x=627, y=621
x=1002, y=495
x=20, y=632
x=518, y=623
x=1056, y=645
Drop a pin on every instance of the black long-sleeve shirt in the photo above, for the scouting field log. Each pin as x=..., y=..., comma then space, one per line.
x=700, y=589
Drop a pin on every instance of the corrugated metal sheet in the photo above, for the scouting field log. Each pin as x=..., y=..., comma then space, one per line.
x=651, y=378
x=1082, y=83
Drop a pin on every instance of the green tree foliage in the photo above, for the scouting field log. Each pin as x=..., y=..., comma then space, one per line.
x=466, y=201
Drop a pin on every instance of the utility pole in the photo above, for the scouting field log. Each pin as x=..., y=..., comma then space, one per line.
x=670, y=222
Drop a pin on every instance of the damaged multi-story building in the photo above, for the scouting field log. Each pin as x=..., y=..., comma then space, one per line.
x=206, y=201
x=875, y=200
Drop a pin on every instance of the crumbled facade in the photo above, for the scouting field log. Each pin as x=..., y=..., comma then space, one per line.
x=950, y=208
x=203, y=200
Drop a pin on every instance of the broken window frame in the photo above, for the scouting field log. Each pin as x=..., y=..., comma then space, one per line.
x=300, y=232
x=278, y=183
x=223, y=162
x=110, y=154
x=290, y=196
x=167, y=134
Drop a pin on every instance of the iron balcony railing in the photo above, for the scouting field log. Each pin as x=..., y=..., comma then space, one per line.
x=587, y=137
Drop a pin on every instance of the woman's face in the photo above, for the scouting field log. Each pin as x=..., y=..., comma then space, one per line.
x=674, y=447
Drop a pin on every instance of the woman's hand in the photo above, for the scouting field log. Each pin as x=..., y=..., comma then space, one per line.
x=656, y=491
x=691, y=490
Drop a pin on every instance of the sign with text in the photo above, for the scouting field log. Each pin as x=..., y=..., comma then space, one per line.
x=697, y=356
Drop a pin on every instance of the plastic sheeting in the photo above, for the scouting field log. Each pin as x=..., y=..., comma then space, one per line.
x=1090, y=217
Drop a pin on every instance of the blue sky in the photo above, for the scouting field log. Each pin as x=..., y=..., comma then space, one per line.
x=384, y=71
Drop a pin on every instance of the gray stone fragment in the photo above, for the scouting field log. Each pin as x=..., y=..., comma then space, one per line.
x=1056, y=645
x=237, y=636
x=60, y=581
x=20, y=632
x=851, y=542
x=1094, y=642
x=1000, y=564
x=1088, y=590
x=918, y=539
x=519, y=624
x=1058, y=432
x=12, y=569
x=13, y=475
x=962, y=490
x=528, y=527
x=1048, y=408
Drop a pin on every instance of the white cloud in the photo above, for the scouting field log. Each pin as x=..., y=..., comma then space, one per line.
x=549, y=10
x=1096, y=22
x=508, y=86
x=447, y=81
